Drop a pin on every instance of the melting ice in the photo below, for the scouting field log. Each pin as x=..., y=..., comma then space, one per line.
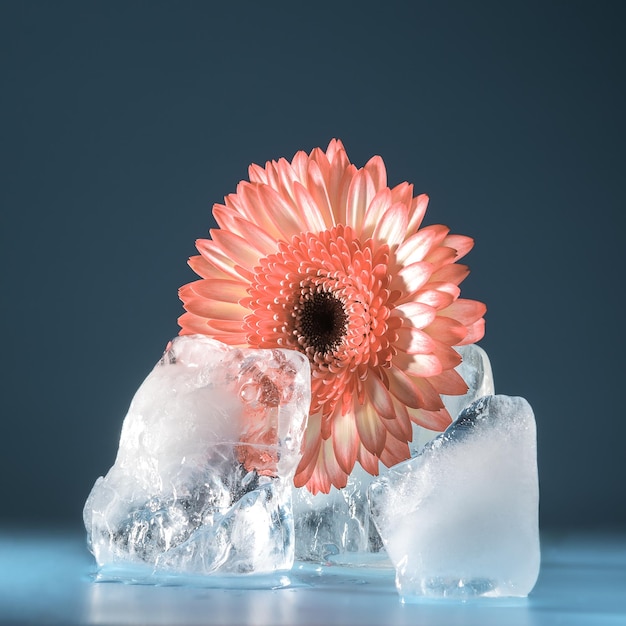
x=461, y=518
x=202, y=479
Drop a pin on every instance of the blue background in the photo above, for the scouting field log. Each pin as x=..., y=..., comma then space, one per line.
x=121, y=123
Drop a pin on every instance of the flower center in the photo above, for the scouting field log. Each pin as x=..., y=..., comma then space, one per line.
x=320, y=320
x=325, y=294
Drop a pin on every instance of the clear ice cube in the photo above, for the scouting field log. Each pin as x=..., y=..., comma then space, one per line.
x=475, y=368
x=336, y=527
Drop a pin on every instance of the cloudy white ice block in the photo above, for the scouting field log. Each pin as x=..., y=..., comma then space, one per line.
x=461, y=519
x=202, y=479
x=475, y=368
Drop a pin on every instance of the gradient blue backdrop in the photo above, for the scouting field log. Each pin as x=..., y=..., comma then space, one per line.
x=122, y=122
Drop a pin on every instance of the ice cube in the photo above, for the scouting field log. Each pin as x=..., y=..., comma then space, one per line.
x=336, y=527
x=475, y=368
x=461, y=518
x=202, y=479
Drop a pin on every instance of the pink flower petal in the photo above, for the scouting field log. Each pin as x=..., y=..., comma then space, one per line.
x=213, y=256
x=404, y=388
x=371, y=429
x=284, y=180
x=399, y=427
x=300, y=165
x=379, y=396
x=241, y=251
x=345, y=439
x=392, y=226
x=403, y=193
x=374, y=213
x=263, y=242
x=368, y=461
x=215, y=309
x=412, y=277
x=248, y=204
x=333, y=474
x=440, y=257
x=205, y=269
x=312, y=439
x=460, y=243
x=322, y=472
x=430, y=397
x=339, y=187
x=360, y=194
x=220, y=289
x=284, y=219
x=446, y=330
x=454, y=274
x=434, y=298
x=375, y=167
x=316, y=185
x=414, y=341
x=194, y=325
x=417, y=212
x=417, y=314
x=465, y=311
x=432, y=420
x=337, y=155
x=474, y=333
x=417, y=247
x=423, y=365
x=449, y=382
x=221, y=327
x=395, y=451
x=448, y=356
x=312, y=216
x=257, y=174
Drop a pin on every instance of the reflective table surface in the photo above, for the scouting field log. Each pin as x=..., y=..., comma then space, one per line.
x=51, y=579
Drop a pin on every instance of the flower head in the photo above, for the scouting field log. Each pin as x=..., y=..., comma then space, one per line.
x=319, y=256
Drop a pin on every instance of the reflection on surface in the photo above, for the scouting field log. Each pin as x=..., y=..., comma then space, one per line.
x=43, y=577
x=50, y=579
x=122, y=604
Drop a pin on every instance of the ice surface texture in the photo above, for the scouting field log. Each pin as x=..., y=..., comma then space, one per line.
x=202, y=479
x=475, y=368
x=460, y=520
x=337, y=527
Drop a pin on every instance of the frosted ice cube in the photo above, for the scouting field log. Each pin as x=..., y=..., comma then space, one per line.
x=461, y=518
x=202, y=479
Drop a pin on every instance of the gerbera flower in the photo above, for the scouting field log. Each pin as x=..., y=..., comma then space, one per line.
x=319, y=256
